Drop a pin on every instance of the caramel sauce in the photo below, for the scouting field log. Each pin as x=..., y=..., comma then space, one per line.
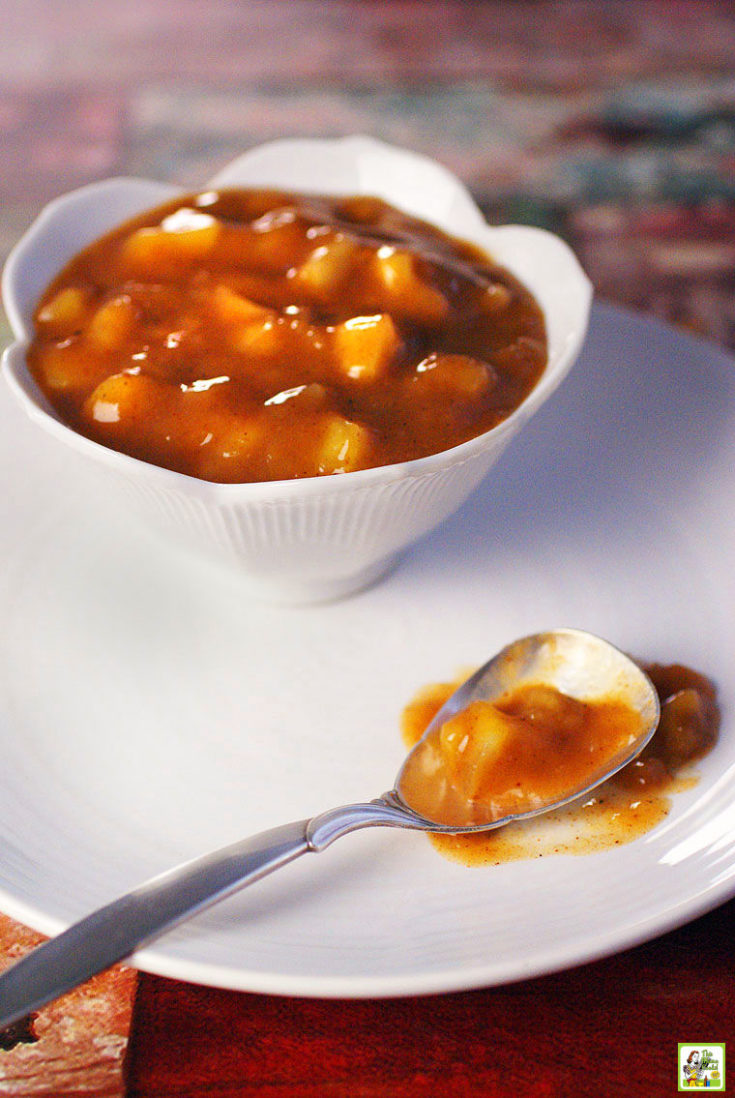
x=249, y=335
x=525, y=749
x=624, y=807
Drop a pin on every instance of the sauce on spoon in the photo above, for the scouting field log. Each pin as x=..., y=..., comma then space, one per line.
x=624, y=807
x=520, y=751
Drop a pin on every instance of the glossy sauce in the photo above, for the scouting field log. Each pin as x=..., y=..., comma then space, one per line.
x=525, y=749
x=624, y=807
x=259, y=335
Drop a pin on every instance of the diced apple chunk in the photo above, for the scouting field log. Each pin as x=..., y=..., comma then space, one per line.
x=251, y=328
x=146, y=253
x=458, y=376
x=683, y=730
x=521, y=358
x=158, y=251
x=111, y=324
x=193, y=232
x=127, y=399
x=327, y=267
x=541, y=704
x=64, y=313
x=229, y=445
x=233, y=308
x=345, y=446
x=277, y=240
x=471, y=742
x=262, y=338
x=495, y=299
x=66, y=367
x=403, y=292
x=365, y=346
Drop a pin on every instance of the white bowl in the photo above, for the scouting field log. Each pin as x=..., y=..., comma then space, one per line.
x=323, y=537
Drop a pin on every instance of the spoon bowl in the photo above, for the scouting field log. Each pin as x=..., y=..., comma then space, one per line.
x=575, y=663
x=580, y=666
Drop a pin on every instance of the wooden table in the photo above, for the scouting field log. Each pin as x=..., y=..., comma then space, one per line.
x=606, y=1028
x=612, y=124
x=609, y=1028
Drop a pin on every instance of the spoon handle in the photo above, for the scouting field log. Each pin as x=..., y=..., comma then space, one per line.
x=113, y=932
x=117, y=930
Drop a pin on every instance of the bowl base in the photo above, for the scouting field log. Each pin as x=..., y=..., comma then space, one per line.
x=285, y=591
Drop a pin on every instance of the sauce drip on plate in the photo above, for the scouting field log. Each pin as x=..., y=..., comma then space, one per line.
x=623, y=808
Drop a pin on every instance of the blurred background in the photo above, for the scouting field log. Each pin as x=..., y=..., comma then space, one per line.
x=608, y=121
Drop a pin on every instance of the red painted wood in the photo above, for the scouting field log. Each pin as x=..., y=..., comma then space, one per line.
x=606, y=1029
x=74, y=1047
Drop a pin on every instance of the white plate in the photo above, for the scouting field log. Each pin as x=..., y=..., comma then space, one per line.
x=150, y=712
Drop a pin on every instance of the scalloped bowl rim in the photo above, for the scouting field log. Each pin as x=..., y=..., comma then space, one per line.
x=92, y=196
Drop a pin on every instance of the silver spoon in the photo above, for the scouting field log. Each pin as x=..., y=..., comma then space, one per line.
x=573, y=662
